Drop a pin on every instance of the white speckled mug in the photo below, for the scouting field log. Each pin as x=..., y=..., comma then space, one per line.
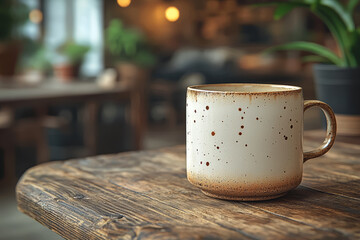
x=244, y=141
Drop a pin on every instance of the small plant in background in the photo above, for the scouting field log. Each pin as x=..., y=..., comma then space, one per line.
x=128, y=45
x=35, y=56
x=338, y=17
x=74, y=52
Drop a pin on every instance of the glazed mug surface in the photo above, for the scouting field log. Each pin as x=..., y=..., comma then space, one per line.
x=245, y=141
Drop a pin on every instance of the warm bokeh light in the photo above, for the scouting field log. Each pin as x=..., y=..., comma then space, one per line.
x=172, y=14
x=123, y=3
x=35, y=16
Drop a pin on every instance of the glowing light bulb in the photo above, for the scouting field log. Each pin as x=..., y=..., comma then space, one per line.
x=123, y=3
x=35, y=16
x=172, y=14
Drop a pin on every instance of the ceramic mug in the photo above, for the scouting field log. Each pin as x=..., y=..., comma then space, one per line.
x=244, y=141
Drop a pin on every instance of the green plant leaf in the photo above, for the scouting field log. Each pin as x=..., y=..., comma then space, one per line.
x=283, y=8
x=354, y=47
x=338, y=8
x=342, y=36
x=315, y=58
x=74, y=51
x=315, y=5
x=126, y=44
x=335, y=5
x=336, y=27
x=309, y=47
x=338, y=19
x=351, y=5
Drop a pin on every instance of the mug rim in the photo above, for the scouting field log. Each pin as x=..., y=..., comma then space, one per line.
x=281, y=88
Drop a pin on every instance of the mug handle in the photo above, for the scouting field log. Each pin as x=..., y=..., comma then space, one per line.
x=330, y=129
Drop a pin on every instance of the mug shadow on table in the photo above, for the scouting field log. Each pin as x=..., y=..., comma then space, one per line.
x=315, y=193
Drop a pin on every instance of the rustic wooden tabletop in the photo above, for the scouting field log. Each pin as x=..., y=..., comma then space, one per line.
x=145, y=195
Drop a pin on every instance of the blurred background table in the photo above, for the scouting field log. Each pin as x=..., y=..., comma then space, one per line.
x=40, y=97
x=146, y=195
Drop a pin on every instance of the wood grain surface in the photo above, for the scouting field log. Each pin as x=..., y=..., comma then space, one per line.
x=145, y=195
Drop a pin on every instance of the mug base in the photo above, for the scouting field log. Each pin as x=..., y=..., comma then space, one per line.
x=247, y=198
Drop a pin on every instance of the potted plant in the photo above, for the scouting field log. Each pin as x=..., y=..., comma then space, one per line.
x=13, y=14
x=131, y=53
x=35, y=61
x=72, y=56
x=337, y=78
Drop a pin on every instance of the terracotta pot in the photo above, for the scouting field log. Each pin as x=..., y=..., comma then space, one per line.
x=340, y=88
x=64, y=72
x=131, y=75
x=9, y=55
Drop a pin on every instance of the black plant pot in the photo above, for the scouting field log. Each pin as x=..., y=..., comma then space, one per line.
x=340, y=88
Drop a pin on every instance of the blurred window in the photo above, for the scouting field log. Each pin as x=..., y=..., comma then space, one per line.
x=80, y=21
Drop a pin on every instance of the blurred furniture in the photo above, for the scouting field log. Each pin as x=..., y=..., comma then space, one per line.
x=40, y=97
x=14, y=133
x=163, y=93
x=230, y=65
x=146, y=195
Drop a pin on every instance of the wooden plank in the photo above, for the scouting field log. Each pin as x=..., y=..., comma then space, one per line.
x=146, y=195
x=336, y=171
x=105, y=216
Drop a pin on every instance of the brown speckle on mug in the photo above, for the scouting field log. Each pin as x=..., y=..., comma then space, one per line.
x=212, y=133
x=207, y=107
x=207, y=163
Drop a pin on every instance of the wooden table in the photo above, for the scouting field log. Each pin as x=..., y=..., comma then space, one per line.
x=40, y=97
x=145, y=195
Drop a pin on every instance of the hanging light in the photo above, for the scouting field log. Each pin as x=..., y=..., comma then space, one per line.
x=172, y=14
x=123, y=3
x=35, y=16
